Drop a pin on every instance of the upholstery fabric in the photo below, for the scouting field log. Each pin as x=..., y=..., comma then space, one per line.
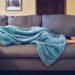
x=18, y=51
x=25, y=21
x=35, y=65
x=69, y=52
x=29, y=51
x=3, y=20
x=60, y=24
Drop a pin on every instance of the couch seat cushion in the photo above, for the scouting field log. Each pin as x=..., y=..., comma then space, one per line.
x=30, y=51
x=69, y=51
x=18, y=51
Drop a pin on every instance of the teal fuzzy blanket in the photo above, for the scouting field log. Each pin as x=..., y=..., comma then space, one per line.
x=49, y=45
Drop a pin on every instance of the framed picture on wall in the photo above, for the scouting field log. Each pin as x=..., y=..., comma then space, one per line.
x=14, y=5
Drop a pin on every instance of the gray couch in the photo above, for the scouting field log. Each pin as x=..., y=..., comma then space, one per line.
x=25, y=57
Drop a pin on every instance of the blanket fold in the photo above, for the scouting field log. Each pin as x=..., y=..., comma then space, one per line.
x=49, y=45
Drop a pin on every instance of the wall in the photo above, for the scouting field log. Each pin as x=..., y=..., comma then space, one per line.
x=70, y=7
x=28, y=8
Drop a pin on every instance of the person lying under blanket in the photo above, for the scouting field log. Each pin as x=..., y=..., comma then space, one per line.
x=70, y=40
x=50, y=46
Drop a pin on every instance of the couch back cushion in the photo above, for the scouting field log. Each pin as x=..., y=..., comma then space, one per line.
x=25, y=21
x=3, y=20
x=60, y=24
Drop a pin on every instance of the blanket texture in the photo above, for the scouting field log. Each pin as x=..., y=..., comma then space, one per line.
x=49, y=45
